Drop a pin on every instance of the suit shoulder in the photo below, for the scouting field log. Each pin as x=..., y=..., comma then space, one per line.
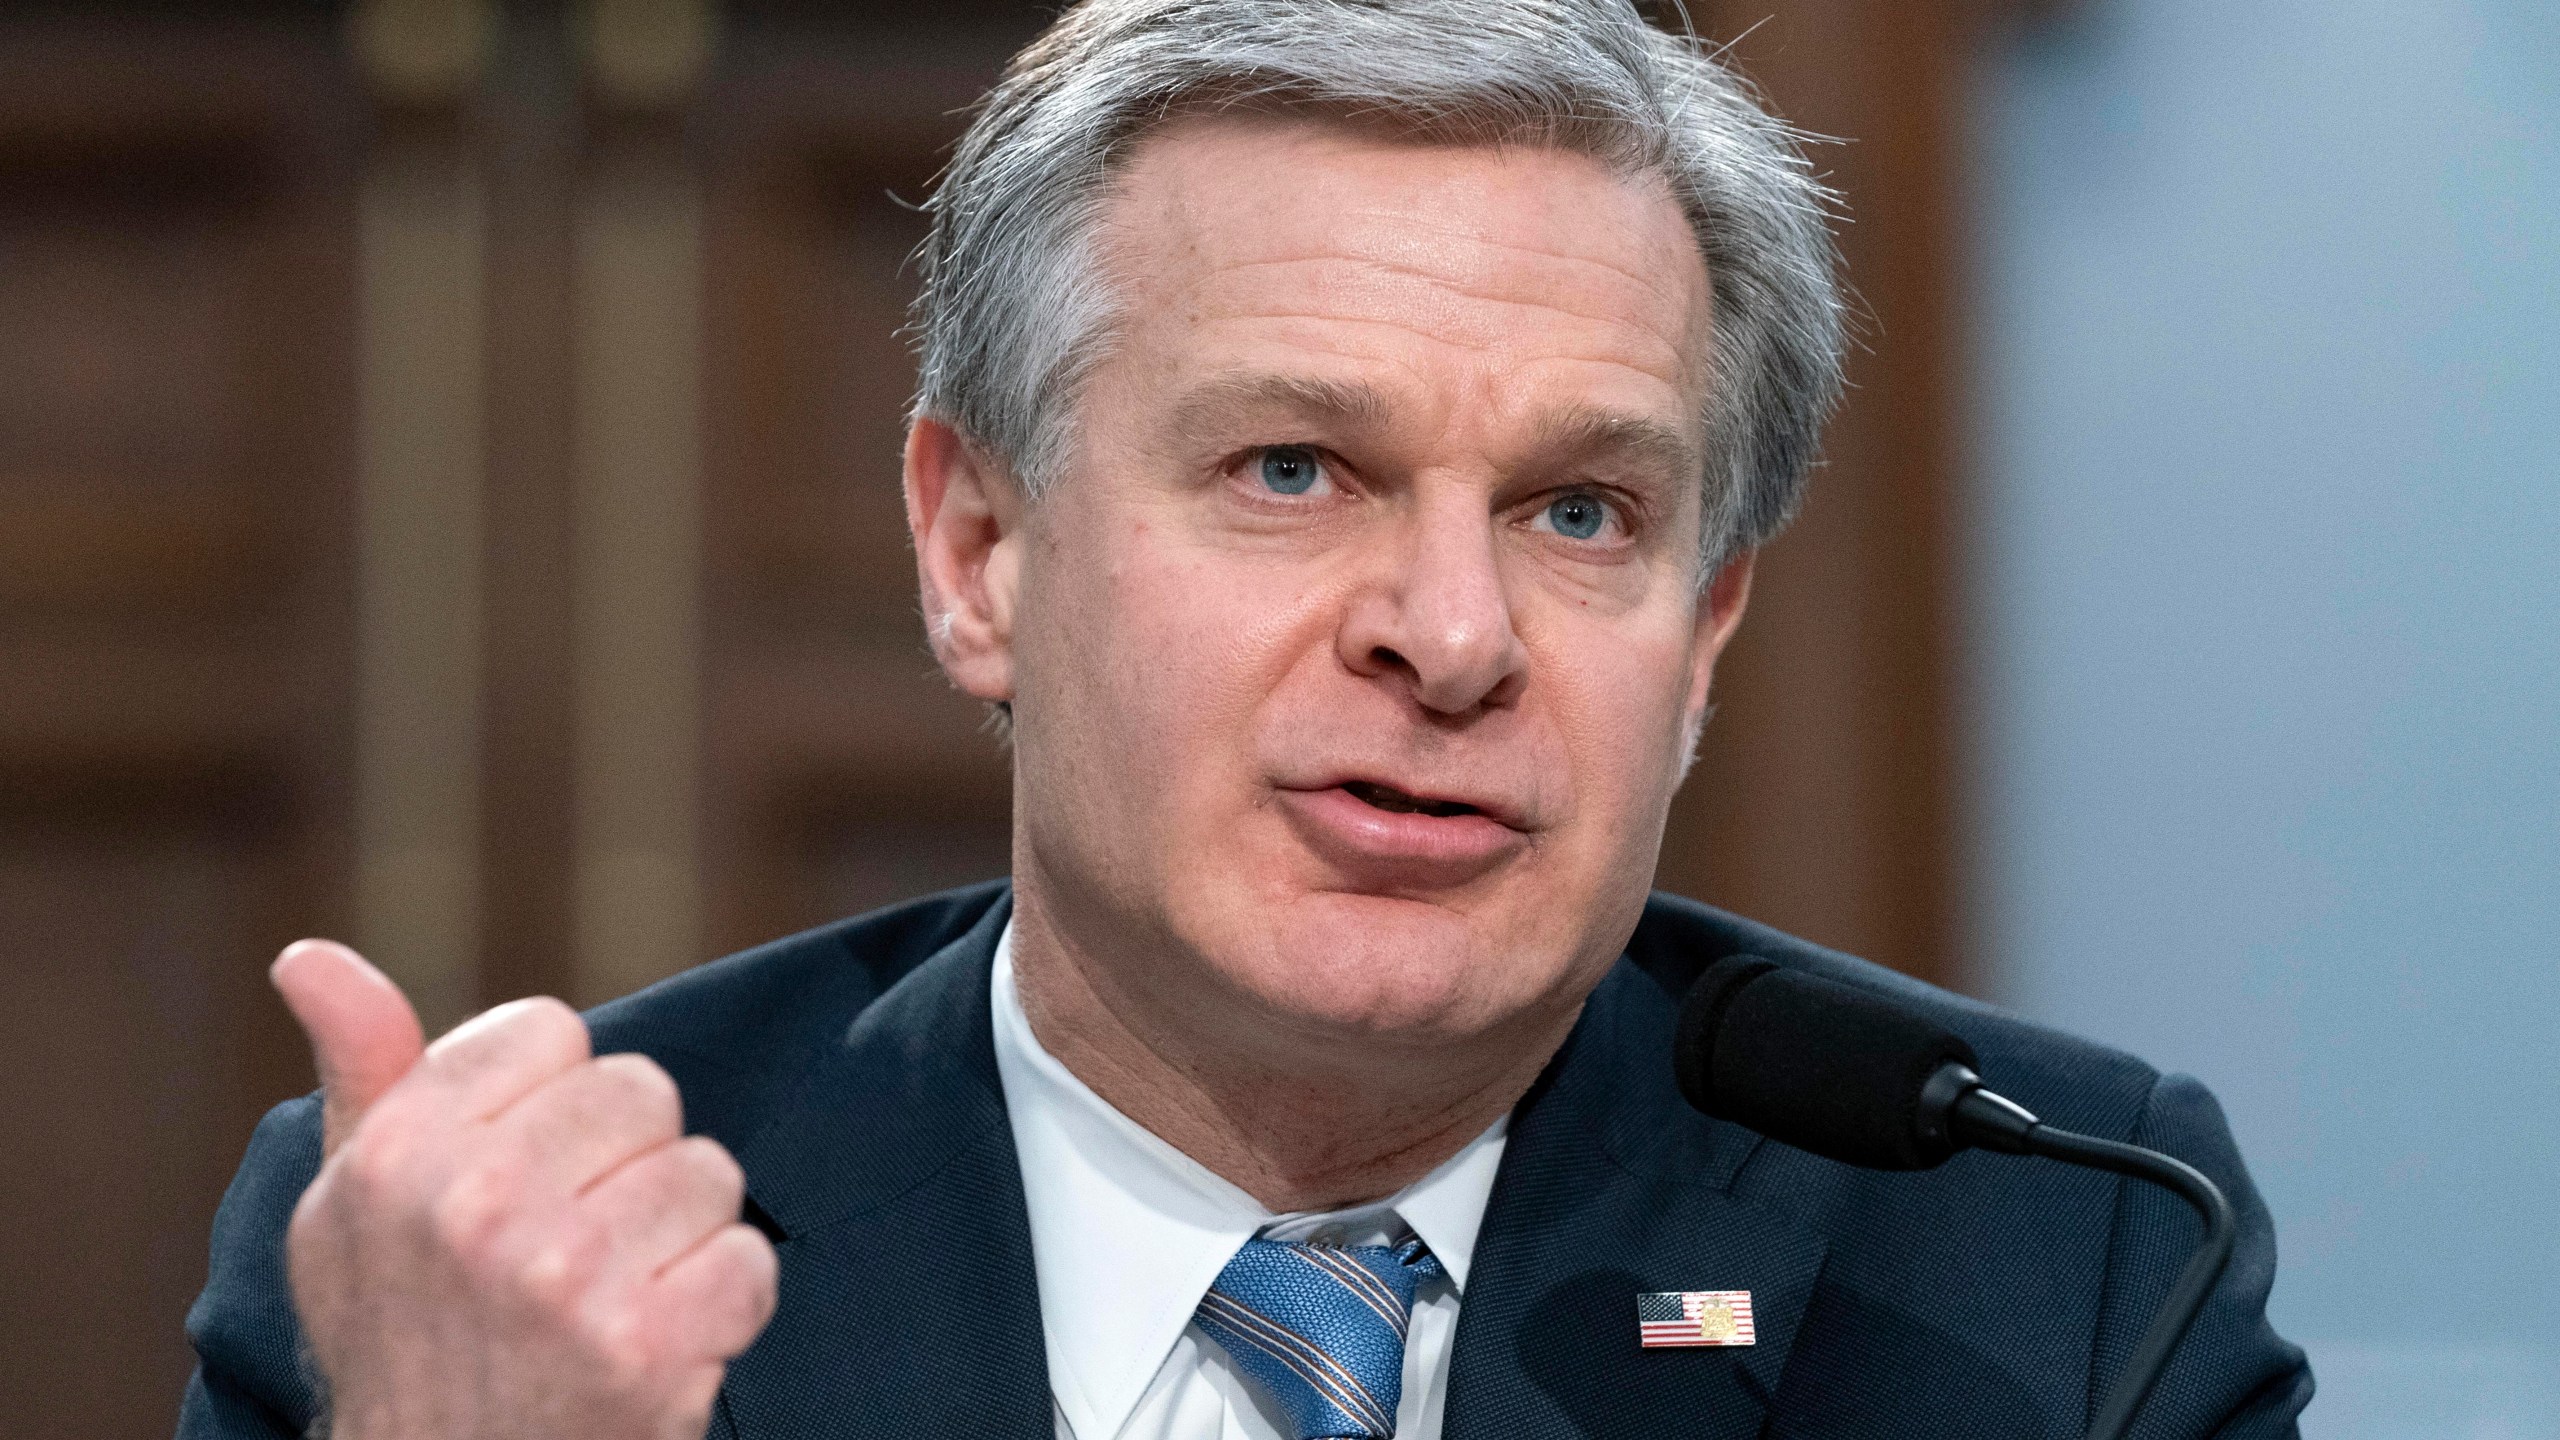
x=724, y=1028
x=2068, y=1079
x=250, y=1377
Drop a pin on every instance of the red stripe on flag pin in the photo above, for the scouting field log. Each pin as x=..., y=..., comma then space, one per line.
x=1694, y=1317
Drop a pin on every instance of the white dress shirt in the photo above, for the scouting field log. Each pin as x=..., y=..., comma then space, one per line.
x=1127, y=1233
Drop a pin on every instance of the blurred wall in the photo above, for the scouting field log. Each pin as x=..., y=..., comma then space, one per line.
x=2270, y=636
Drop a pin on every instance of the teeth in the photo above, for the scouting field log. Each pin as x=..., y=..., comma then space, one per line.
x=1386, y=798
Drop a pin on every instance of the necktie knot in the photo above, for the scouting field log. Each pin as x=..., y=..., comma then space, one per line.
x=1322, y=1327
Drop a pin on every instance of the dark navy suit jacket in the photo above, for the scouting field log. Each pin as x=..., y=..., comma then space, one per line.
x=852, y=1071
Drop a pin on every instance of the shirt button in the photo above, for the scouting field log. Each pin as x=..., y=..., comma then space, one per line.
x=1329, y=1235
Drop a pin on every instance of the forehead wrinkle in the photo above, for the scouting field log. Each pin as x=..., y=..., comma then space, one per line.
x=1464, y=288
x=1406, y=231
x=1648, y=341
x=1671, y=364
x=1676, y=336
x=1505, y=373
x=1393, y=255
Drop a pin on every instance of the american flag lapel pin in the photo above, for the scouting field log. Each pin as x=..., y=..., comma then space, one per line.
x=1694, y=1317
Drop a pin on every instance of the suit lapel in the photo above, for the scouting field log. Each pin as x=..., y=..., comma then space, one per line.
x=1611, y=1186
x=908, y=1304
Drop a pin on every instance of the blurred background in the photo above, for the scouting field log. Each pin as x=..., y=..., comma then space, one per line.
x=448, y=500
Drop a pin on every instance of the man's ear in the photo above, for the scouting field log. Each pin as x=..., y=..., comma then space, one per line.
x=966, y=515
x=1719, y=615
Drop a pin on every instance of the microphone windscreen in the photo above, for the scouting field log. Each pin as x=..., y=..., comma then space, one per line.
x=1813, y=1063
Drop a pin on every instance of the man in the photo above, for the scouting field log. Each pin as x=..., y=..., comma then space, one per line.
x=1344, y=433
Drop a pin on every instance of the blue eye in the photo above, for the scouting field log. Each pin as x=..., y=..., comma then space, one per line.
x=1577, y=517
x=1290, y=469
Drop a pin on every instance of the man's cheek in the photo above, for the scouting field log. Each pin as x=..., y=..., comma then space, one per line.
x=1222, y=641
x=1625, y=757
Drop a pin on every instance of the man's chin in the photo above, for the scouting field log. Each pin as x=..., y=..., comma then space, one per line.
x=1376, y=967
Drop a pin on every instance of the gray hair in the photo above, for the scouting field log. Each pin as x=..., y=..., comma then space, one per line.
x=1014, y=309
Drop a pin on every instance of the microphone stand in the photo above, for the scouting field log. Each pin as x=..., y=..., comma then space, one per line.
x=1977, y=1116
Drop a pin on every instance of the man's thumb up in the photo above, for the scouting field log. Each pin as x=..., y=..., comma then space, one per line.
x=364, y=1034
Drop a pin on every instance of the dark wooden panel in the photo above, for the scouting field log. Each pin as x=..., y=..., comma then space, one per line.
x=843, y=771
x=529, y=145
x=1826, y=798
x=73, y=544
x=131, y=280
x=174, y=662
x=137, y=1047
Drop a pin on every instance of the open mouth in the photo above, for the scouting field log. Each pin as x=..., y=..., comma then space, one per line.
x=1388, y=798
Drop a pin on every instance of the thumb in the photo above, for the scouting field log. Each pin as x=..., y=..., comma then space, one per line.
x=364, y=1035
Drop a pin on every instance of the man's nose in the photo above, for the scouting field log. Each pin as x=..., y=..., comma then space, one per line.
x=1436, y=615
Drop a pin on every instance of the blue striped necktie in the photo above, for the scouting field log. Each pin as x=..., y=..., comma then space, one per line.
x=1322, y=1327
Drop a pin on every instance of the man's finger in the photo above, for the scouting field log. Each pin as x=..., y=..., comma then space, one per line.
x=501, y=1055
x=664, y=1203
x=587, y=1120
x=364, y=1034
x=717, y=1295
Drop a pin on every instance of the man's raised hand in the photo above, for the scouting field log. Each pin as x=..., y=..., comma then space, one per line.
x=509, y=1236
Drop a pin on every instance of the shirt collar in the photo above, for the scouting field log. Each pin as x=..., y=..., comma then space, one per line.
x=1127, y=1232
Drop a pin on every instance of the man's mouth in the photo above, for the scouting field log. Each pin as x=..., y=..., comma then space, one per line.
x=1394, y=801
x=1378, y=836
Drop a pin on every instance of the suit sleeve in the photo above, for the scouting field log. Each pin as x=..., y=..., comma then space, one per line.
x=251, y=1382
x=2233, y=1378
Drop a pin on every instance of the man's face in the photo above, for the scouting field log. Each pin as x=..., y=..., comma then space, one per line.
x=1356, y=654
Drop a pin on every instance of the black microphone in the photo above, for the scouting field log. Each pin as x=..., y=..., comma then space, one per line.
x=1851, y=1076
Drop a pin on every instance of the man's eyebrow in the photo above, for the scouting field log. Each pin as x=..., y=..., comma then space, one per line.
x=1580, y=432
x=1216, y=404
